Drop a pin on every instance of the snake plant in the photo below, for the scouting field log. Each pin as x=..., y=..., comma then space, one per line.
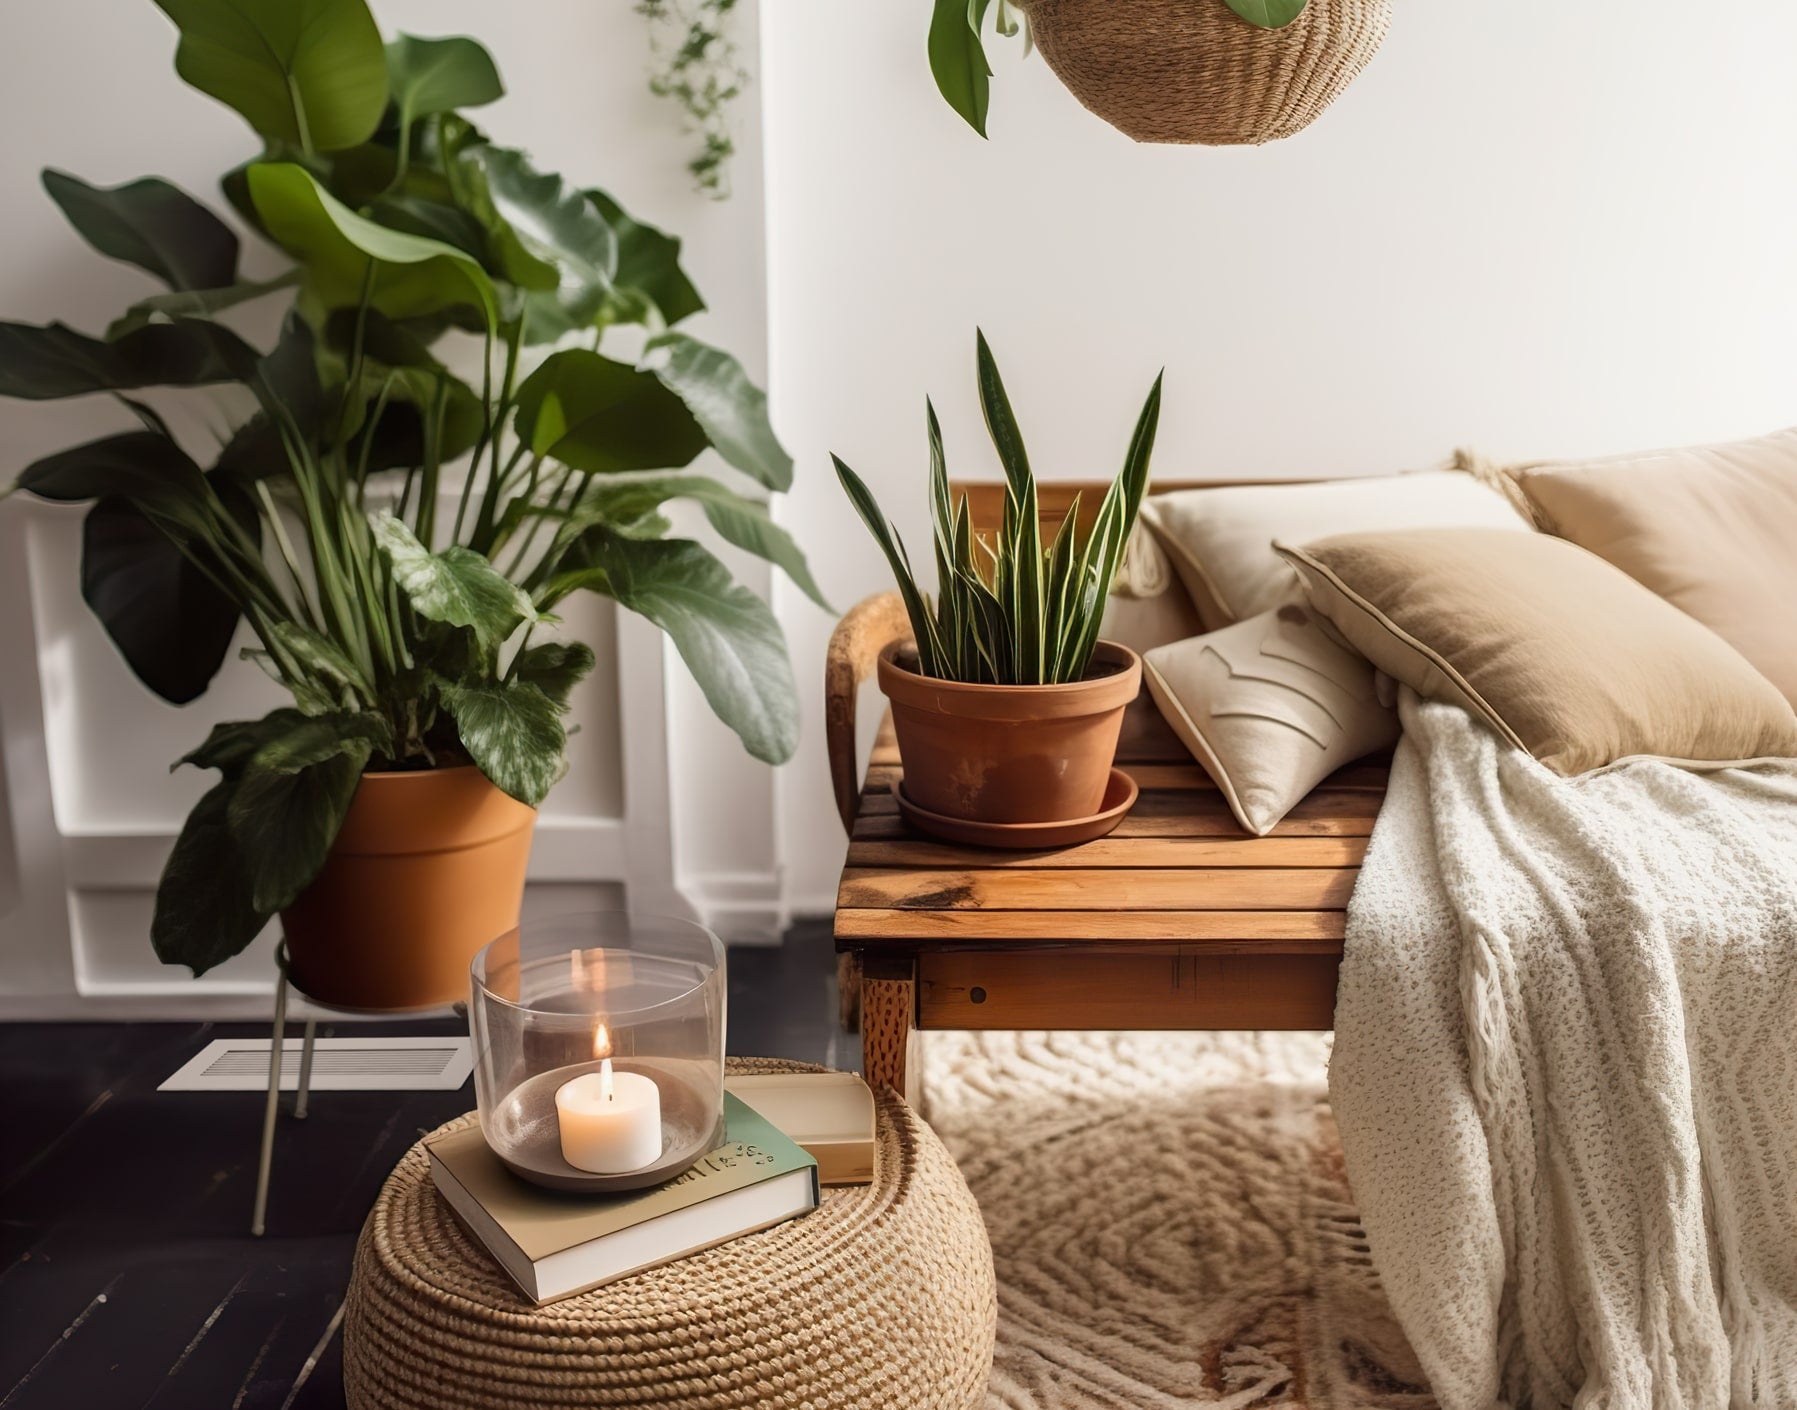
x=1011, y=611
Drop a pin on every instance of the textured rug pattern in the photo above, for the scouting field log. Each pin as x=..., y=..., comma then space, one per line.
x=1170, y=1222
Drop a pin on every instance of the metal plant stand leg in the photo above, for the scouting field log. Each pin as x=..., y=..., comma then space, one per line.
x=303, y=1091
x=276, y=1043
x=305, y=1072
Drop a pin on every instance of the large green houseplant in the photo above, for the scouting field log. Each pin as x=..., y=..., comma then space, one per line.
x=1006, y=704
x=395, y=534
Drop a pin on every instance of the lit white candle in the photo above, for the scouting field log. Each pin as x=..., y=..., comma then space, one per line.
x=610, y=1122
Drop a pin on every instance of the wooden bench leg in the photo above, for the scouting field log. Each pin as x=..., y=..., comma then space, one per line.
x=888, y=1031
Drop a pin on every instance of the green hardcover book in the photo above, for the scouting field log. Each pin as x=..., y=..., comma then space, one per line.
x=556, y=1245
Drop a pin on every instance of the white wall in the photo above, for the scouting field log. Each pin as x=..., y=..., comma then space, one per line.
x=1535, y=227
x=89, y=86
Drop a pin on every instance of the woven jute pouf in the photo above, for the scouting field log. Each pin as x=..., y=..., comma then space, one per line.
x=1195, y=71
x=883, y=1297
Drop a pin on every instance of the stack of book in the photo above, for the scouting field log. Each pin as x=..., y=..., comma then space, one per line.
x=786, y=1134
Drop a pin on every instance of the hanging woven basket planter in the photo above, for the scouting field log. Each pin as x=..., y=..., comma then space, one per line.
x=1196, y=70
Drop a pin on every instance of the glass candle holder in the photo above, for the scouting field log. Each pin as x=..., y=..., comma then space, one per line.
x=599, y=1049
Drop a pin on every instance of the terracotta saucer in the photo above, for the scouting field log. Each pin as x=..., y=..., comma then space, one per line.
x=1119, y=797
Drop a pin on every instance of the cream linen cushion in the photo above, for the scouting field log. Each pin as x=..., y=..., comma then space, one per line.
x=1564, y=655
x=1221, y=540
x=1271, y=707
x=1712, y=529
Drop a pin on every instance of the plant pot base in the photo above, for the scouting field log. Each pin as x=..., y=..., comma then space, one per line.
x=1119, y=797
x=1010, y=754
x=428, y=868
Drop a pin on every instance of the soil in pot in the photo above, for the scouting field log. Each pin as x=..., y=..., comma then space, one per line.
x=1009, y=753
x=428, y=868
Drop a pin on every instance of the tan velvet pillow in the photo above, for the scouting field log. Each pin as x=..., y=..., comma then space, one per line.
x=1221, y=540
x=1270, y=707
x=1712, y=529
x=1564, y=655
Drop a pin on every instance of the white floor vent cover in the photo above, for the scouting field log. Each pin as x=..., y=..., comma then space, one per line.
x=338, y=1065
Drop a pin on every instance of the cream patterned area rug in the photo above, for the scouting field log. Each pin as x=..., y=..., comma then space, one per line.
x=1170, y=1222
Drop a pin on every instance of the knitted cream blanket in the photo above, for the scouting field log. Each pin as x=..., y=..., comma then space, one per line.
x=1565, y=1074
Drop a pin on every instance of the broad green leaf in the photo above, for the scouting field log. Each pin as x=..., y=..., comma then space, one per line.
x=731, y=409
x=505, y=248
x=254, y=452
x=138, y=465
x=288, y=380
x=649, y=265
x=196, y=303
x=205, y=912
x=440, y=75
x=514, y=734
x=726, y=635
x=168, y=620
x=151, y=224
x=39, y=364
x=1268, y=14
x=397, y=361
x=229, y=747
x=433, y=220
x=619, y=504
x=289, y=804
x=384, y=340
x=305, y=741
x=592, y=413
x=457, y=586
x=554, y=667
x=958, y=62
x=558, y=227
x=308, y=72
x=411, y=275
x=746, y=524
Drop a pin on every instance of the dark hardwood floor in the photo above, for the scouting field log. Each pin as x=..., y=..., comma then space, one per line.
x=128, y=1277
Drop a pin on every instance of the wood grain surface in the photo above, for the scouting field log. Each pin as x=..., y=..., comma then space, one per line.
x=1177, y=919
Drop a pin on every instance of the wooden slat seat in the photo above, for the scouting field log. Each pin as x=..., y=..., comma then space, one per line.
x=1177, y=919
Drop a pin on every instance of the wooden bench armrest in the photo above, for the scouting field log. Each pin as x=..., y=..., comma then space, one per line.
x=855, y=646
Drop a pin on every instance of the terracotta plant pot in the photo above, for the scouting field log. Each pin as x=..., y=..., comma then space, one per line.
x=1010, y=753
x=428, y=868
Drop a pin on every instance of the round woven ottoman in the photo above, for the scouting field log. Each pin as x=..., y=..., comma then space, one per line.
x=883, y=1297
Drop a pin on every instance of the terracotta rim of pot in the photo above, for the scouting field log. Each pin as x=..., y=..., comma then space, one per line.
x=1091, y=696
x=366, y=833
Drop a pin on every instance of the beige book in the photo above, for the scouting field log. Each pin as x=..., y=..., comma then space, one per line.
x=829, y=1114
x=555, y=1245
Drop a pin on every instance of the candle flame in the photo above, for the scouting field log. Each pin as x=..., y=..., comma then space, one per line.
x=601, y=1042
x=605, y=1080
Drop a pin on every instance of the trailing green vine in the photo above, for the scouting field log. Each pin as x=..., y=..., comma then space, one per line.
x=695, y=64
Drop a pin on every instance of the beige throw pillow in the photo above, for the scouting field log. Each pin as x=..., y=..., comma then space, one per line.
x=1564, y=655
x=1712, y=529
x=1271, y=707
x=1221, y=540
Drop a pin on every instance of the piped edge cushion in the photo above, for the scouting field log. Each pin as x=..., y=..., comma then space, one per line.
x=1270, y=707
x=1221, y=539
x=1712, y=529
x=1564, y=655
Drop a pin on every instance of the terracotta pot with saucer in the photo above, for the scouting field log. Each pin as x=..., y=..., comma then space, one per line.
x=1012, y=765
